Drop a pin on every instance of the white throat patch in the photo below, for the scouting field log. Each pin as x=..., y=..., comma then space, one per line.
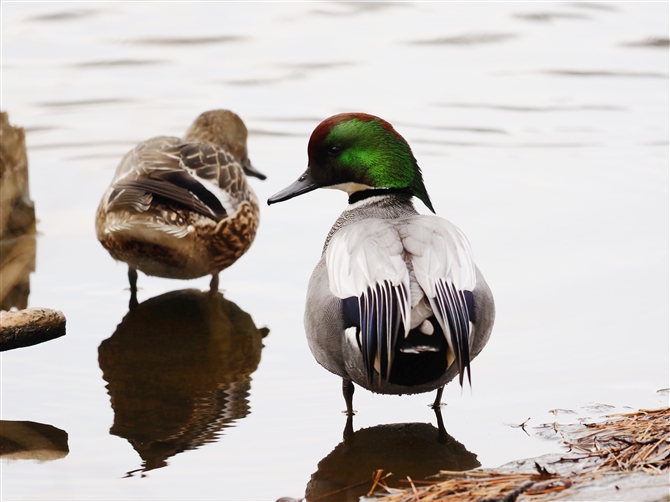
x=350, y=187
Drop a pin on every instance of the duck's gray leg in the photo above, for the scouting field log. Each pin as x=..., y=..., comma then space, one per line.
x=132, y=278
x=348, y=391
x=442, y=435
x=437, y=403
x=348, y=434
x=214, y=283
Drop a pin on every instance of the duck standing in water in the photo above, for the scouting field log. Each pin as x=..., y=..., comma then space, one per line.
x=396, y=303
x=182, y=208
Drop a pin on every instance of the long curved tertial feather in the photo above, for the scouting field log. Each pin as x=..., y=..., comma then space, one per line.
x=365, y=262
x=443, y=266
x=185, y=197
x=380, y=309
x=452, y=310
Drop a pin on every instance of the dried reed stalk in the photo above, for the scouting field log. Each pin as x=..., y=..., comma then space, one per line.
x=632, y=442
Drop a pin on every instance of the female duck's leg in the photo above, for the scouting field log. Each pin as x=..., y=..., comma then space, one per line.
x=214, y=283
x=132, y=278
x=438, y=398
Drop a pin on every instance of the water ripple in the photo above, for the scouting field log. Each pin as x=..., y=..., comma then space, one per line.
x=81, y=144
x=594, y=6
x=484, y=130
x=503, y=145
x=118, y=62
x=544, y=17
x=85, y=102
x=554, y=108
x=65, y=15
x=188, y=40
x=290, y=119
x=467, y=39
x=317, y=66
x=655, y=42
x=265, y=80
x=604, y=73
x=355, y=8
x=265, y=132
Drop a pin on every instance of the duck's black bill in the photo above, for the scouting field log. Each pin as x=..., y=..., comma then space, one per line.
x=250, y=170
x=304, y=184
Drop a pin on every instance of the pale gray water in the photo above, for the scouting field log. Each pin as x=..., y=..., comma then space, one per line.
x=542, y=131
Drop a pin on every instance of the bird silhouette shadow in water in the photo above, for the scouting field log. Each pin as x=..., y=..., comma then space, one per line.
x=178, y=369
x=416, y=450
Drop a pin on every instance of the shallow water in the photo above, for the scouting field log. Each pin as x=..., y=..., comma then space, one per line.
x=542, y=132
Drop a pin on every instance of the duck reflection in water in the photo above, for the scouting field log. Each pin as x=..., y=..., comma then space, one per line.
x=179, y=371
x=400, y=450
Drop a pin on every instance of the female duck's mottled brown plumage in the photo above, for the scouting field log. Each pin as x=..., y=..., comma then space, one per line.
x=182, y=208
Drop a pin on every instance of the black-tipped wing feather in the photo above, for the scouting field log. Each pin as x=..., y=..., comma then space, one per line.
x=200, y=178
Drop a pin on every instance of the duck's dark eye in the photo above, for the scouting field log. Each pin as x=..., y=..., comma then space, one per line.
x=334, y=150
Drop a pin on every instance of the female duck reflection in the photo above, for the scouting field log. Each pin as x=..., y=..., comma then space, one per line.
x=179, y=370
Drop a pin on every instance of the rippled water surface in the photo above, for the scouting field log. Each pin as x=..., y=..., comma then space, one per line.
x=542, y=132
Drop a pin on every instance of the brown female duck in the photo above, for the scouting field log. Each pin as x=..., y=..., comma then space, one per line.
x=182, y=208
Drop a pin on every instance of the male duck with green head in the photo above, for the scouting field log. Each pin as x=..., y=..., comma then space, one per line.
x=396, y=303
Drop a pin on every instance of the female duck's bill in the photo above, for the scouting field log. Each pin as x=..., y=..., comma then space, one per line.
x=396, y=303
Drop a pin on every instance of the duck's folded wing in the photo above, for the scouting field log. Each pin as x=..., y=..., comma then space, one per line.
x=443, y=266
x=188, y=175
x=175, y=191
x=367, y=271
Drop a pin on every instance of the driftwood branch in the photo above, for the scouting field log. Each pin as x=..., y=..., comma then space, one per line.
x=30, y=327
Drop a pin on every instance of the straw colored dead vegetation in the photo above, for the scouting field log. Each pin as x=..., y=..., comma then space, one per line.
x=622, y=444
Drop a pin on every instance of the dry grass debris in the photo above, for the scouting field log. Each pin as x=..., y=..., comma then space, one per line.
x=623, y=444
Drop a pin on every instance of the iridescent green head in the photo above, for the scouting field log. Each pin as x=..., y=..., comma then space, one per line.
x=357, y=151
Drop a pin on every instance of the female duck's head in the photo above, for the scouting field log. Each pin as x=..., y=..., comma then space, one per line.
x=354, y=152
x=226, y=130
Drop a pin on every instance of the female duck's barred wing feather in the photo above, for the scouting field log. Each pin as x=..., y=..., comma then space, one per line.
x=443, y=267
x=199, y=177
x=367, y=269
